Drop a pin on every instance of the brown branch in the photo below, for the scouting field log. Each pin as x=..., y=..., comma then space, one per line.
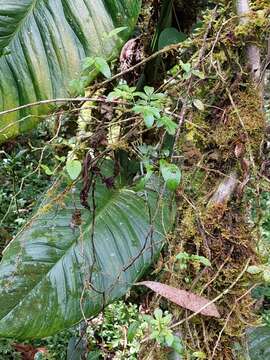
x=61, y=100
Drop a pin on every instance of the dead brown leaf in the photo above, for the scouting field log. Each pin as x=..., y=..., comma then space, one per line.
x=28, y=351
x=132, y=53
x=183, y=298
x=239, y=149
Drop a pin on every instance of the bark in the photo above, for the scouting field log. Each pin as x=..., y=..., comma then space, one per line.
x=253, y=52
x=226, y=189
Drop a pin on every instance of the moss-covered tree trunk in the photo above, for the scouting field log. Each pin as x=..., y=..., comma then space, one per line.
x=220, y=148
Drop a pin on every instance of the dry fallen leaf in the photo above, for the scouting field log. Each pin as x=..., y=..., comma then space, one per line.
x=28, y=352
x=132, y=53
x=183, y=298
x=239, y=149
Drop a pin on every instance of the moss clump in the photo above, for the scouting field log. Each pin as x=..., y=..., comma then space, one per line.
x=243, y=124
x=221, y=234
x=154, y=352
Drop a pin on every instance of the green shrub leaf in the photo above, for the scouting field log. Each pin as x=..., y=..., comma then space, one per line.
x=102, y=66
x=73, y=168
x=170, y=36
x=171, y=174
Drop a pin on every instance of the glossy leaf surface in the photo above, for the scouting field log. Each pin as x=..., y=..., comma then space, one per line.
x=258, y=343
x=42, y=45
x=64, y=264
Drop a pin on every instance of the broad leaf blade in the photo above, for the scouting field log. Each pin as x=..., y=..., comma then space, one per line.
x=45, y=279
x=170, y=36
x=42, y=45
x=258, y=343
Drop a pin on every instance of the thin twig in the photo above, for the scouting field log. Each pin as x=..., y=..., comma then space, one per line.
x=61, y=100
x=144, y=61
x=219, y=270
x=228, y=318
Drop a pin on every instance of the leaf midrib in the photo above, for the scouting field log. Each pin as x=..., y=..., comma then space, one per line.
x=22, y=21
x=111, y=200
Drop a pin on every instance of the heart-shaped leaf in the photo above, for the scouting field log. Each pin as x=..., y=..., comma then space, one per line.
x=74, y=168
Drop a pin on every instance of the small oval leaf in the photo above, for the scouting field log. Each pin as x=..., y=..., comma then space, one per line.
x=198, y=104
x=253, y=269
x=171, y=174
x=74, y=168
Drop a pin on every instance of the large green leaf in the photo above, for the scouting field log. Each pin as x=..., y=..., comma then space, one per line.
x=42, y=44
x=259, y=343
x=45, y=270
